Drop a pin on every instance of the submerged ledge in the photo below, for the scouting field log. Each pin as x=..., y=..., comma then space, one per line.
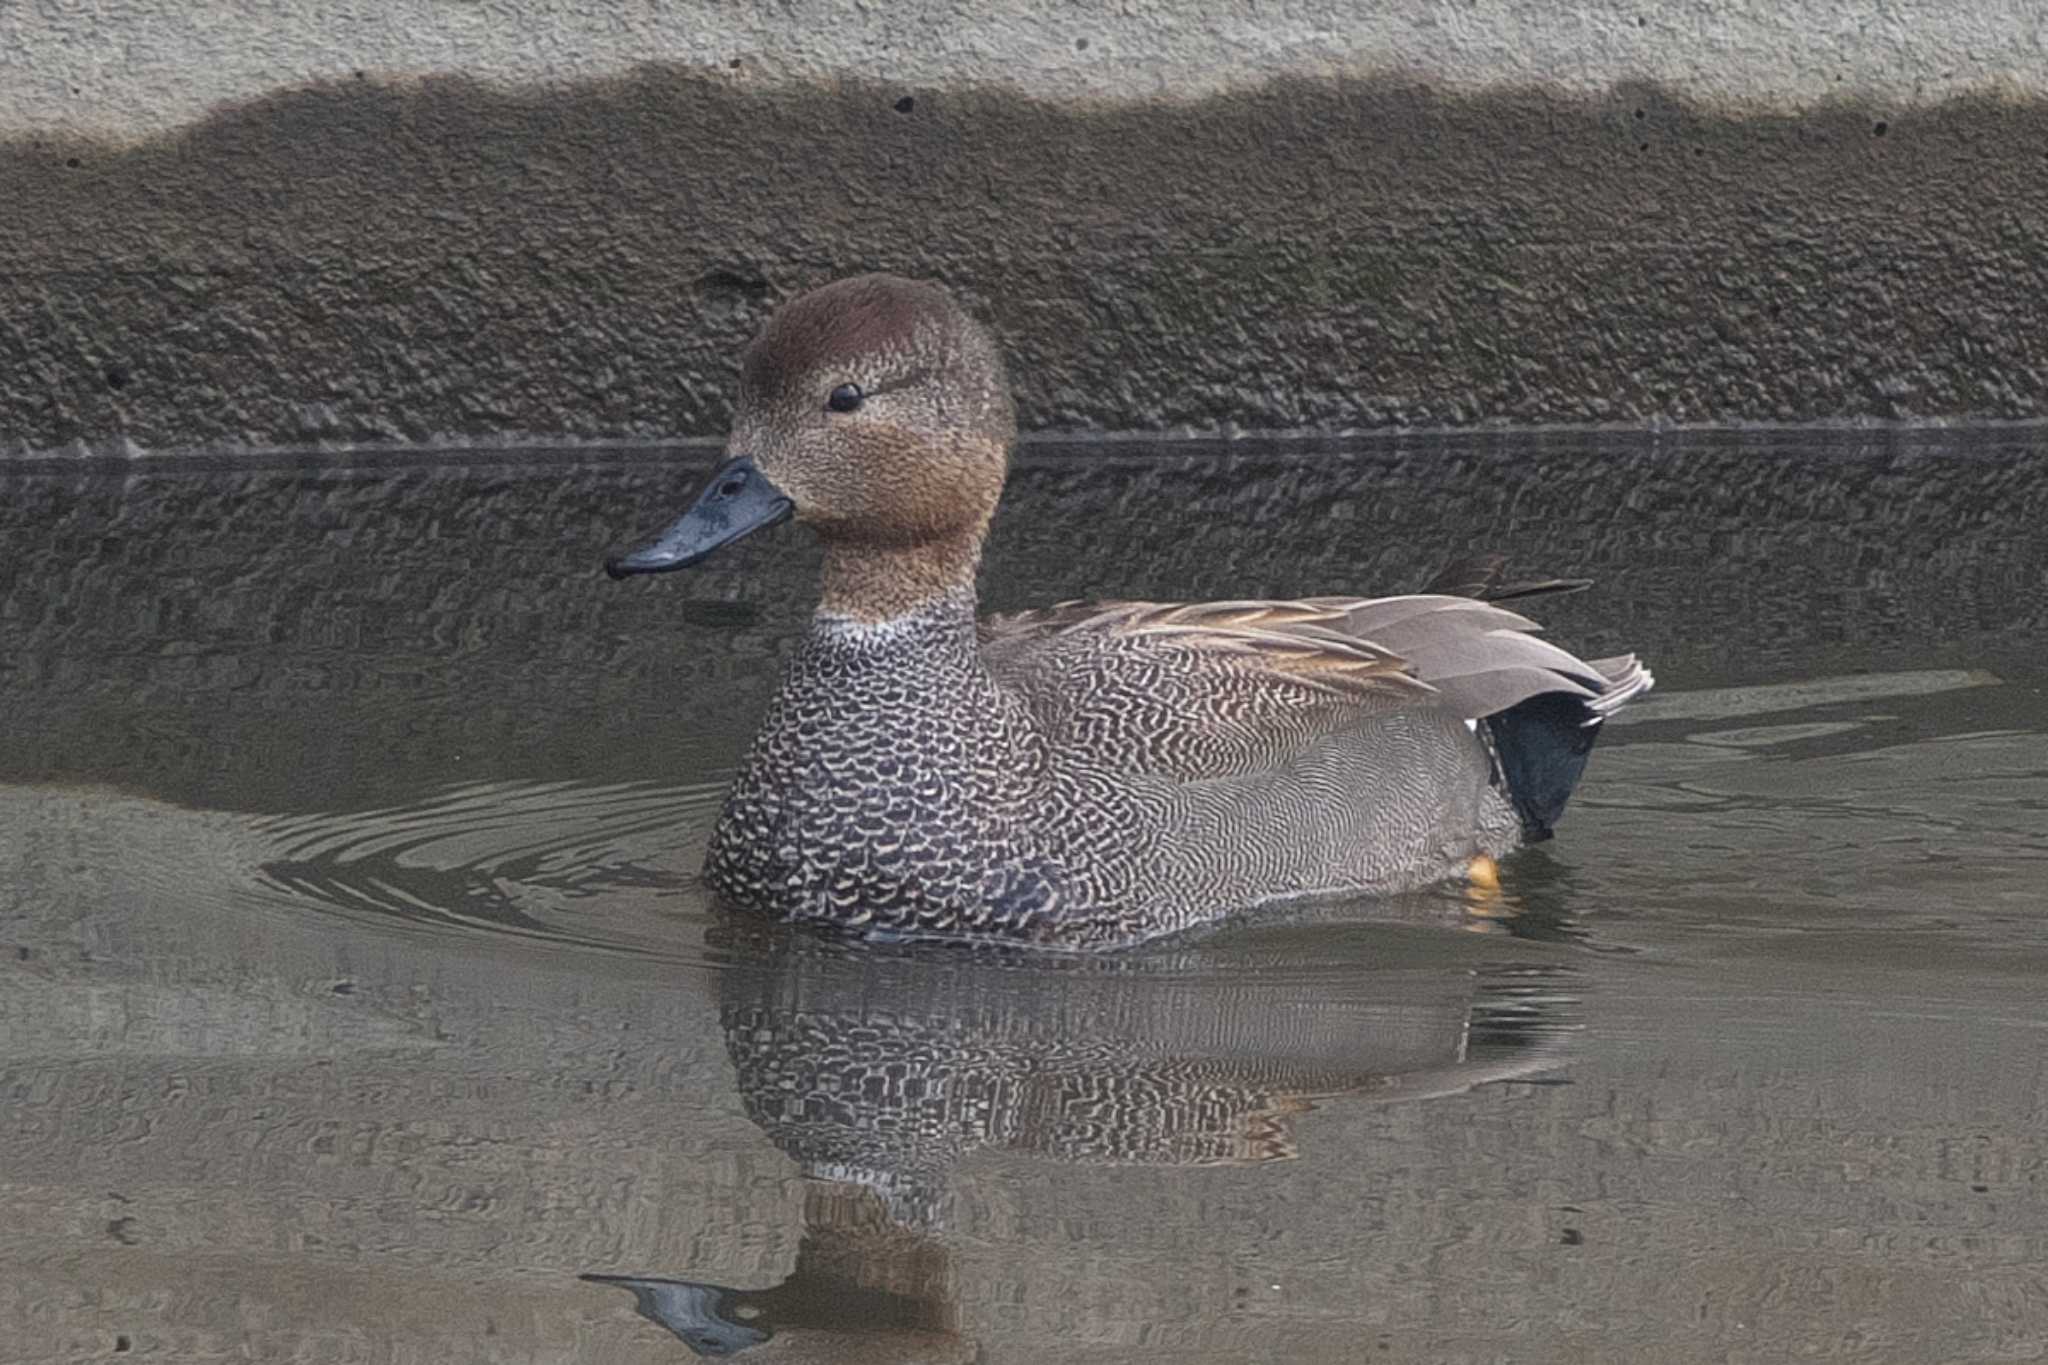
x=2019, y=436
x=356, y=616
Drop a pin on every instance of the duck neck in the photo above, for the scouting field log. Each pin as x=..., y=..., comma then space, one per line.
x=871, y=675
x=870, y=583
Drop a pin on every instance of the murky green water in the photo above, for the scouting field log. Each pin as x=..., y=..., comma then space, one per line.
x=357, y=1000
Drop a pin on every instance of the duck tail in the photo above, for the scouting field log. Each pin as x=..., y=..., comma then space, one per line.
x=1541, y=743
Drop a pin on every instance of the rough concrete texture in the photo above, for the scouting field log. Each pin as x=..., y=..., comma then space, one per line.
x=377, y=257
x=124, y=68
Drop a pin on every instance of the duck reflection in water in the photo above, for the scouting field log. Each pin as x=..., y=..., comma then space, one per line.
x=879, y=1071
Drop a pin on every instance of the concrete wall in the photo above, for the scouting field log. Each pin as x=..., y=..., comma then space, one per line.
x=226, y=224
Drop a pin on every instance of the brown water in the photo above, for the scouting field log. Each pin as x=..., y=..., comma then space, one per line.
x=357, y=999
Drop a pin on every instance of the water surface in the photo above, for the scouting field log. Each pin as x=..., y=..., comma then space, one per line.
x=358, y=1000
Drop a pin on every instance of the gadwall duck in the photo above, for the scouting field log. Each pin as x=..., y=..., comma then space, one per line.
x=1088, y=775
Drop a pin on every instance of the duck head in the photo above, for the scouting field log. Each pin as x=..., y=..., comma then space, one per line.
x=877, y=411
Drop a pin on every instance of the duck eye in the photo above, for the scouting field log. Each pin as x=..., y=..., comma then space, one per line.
x=845, y=398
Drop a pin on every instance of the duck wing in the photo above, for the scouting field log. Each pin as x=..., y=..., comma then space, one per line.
x=1484, y=577
x=1216, y=689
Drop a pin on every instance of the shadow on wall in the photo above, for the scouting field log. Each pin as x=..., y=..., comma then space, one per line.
x=370, y=262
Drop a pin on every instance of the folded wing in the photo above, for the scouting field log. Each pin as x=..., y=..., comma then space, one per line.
x=1214, y=689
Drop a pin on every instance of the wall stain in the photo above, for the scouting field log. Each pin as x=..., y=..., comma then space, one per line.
x=371, y=262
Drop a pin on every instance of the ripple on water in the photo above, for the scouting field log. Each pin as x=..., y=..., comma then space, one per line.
x=1923, y=819
x=595, y=865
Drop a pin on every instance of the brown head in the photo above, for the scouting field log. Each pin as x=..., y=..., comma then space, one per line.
x=876, y=410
